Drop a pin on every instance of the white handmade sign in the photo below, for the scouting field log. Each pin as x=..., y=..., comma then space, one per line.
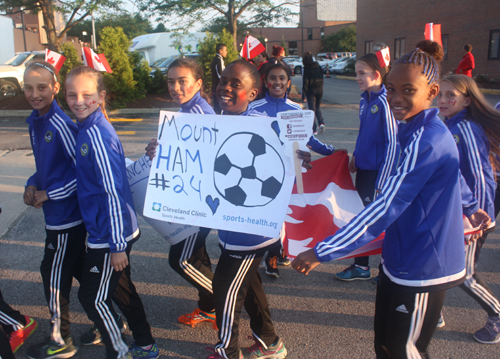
x=223, y=172
x=138, y=176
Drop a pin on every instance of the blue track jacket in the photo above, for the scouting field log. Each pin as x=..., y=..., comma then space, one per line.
x=103, y=189
x=53, y=139
x=198, y=105
x=270, y=106
x=420, y=207
x=474, y=149
x=377, y=147
x=236, y=241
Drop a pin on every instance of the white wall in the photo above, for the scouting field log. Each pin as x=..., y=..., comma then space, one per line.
x=7, y=39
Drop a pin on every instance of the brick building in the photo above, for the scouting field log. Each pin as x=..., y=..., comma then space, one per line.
x=400, y=24
x=320, y=18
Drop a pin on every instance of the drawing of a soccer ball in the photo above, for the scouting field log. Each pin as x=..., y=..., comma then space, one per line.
x=248, y=171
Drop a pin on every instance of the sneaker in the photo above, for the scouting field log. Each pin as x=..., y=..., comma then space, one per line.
x=52, y=350
x=138, y=352
x=18, y=337
x=127, y=356
x=490, y=333
x=92, y=336
x=215, y=355
x=321, y=128
x=196, y=317
x=275, y=351
x=441, y=323
x=272, y=266
x=315, y=133
x=283, y=260
x=354, y=273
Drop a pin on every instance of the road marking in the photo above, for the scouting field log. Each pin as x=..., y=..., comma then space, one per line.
x=125, y=133
x=126, y=119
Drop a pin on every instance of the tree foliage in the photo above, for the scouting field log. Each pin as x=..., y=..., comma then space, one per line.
x=206, y=49
x=132, y=25
x=342, y=40
x=72, y=60
x=183, y=14
x=74, y=11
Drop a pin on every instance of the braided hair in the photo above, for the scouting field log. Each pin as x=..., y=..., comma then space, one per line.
x=427, y=55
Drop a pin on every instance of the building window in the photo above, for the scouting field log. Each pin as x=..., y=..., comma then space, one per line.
x=292, y=48
x=399, y=47
x=368, y=47
x=494, y=47
x=444, y=40
x=309, y=34
x=322, y=30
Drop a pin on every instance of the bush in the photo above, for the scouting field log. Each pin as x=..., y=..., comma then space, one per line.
x=342, y=40
x=158, y=83
x=206, y=49
x=72, y=60
x=141, y=70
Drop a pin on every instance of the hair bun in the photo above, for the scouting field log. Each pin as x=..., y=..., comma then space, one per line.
x=432, y=48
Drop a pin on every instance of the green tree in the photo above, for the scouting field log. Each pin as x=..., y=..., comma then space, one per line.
x=120, y=85
x=160, y=28
x=206, y=49
x=74, y=11
x=72, y=60
x=183, y=14
x=342, y=40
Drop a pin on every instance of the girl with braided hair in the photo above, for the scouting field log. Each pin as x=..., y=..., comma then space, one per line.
x=420, y=208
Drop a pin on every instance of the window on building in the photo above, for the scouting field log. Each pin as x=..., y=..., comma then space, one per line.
x=322, y=30
x=309, y=34
x=292, y=48
x=494, y=47
x=368, y=47
x=444, y=40
x=399, y=47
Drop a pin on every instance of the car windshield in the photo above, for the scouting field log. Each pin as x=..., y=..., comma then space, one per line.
x=157, y=62
x=18, y=59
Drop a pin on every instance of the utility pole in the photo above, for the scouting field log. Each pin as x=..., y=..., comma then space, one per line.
x=302, y=24
x=93, y=32
x=24, y=34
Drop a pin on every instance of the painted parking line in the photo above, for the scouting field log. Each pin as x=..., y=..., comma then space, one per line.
x=126, y=119
x=125, y=133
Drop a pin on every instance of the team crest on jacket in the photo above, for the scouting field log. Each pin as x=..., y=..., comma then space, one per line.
x=48, y=136
x=84, y=149
x=457, y=139
x=374, y=109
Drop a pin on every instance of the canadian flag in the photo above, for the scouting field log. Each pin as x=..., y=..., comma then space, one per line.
x=329, y=202
x=98, y=62
x=433, y=32
x=384, y=57
x=251, y=48
x=55, y=59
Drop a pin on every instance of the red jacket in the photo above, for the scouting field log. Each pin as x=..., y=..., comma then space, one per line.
x=466, y=65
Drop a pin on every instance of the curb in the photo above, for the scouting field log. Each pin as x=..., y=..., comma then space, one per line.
x=340, y=77
x=490, y=91
x=121, y=111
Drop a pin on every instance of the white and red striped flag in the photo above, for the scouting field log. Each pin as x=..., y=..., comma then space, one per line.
x=329, y=202
x=55, y=59
x=433, y=32
x=251, y=48
x=98, y=62
x=384, y=57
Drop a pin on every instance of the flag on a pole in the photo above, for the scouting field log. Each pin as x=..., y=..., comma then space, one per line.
x=55, y=59
x=433, y=32
x=384, y=57
x=98, y=62
x=251, y=48
x=329, y=202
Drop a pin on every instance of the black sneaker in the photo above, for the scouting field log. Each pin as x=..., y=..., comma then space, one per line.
x=272, y=266
x=92, y=336
x=283, y=260
x=52, y=350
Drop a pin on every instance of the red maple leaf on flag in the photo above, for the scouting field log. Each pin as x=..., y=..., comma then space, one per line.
x=97, y=59
x=387, y=57
x=51, y=60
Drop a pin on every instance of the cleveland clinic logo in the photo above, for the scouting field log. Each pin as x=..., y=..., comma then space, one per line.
x=84, y=150
x=48, y=136
x=156, y=206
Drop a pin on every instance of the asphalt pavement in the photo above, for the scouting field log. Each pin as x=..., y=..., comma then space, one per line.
x=316, y=316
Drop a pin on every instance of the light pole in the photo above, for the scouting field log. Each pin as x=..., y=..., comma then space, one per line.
x=22, y=21
x=84, y=33
x=265, y=40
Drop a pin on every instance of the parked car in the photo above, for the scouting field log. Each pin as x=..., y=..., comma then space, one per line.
x=339, y=66
x=296, y=66
x=12, y=72
x=329, y=64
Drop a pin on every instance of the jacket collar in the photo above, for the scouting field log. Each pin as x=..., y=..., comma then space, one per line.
x=373, y=95
x=186, y=107
x=407, y=129
x=95, y=117
x=450, y=122
x=35, y=116
x=275, y=100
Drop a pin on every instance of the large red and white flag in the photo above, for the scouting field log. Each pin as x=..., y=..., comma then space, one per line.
x=55, y=59
x=433, y=32
x=384, y=57
x=329, y=202
x=98, y=62
x=251, y=48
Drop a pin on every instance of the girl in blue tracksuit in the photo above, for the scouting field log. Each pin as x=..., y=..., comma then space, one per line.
x=53, y=187
x=236, y=281
x=110, y=219
x=420, y=208
x=189, y=257
x=277, y=81
x=377, y=150
x=475, y=126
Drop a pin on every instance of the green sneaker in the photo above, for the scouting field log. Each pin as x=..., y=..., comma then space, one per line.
x=52, y=350
x=275, y=351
